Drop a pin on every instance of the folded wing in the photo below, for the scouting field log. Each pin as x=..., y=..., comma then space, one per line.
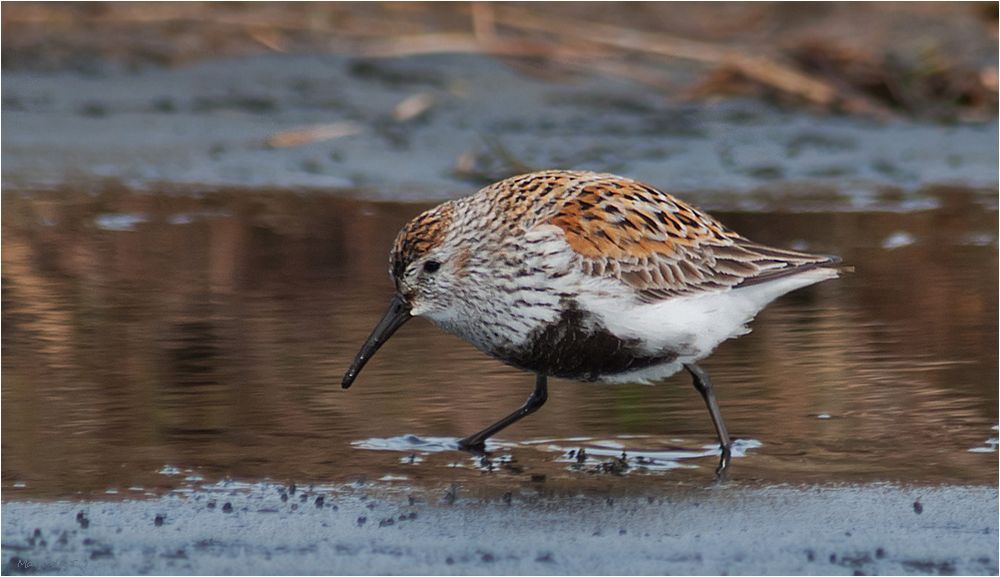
x=663, y=247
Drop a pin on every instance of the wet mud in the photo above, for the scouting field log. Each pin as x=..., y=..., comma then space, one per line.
x=247, y=122
x=234, y=528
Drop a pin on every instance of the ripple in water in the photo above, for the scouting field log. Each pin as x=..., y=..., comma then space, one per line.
x=990, y=445
x=626, y=452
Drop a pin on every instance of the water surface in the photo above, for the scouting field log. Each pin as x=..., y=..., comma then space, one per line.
x=149, y=339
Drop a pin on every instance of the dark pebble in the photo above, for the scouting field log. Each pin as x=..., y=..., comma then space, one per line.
x=488, y=558
x=88, y=541
x=291, y=489
x=880, y=553
x=544, y=558
x=211, y=505
x=622, y=531
x=227, y=508
x=158, y=521
x=918, y=507
x=319, y=502
x=449, y=561
x=284, y=497
x=16, y=565
x=177, y=554
x=93, y=109
x=810, y=555
x=371, y=506
x=362, y=521
x=84, y=523
x=386, y=522
x=833, y=557
x=295, y=506
x=413, y=515
x=102, y=552
x=37, y=533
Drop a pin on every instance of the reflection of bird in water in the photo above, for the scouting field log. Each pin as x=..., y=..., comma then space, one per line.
x=585, y=276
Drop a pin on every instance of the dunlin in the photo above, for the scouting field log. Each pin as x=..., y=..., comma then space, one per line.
x=585, y=276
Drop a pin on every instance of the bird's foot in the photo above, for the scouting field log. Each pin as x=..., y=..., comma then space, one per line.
x=474, y=446
x=722, y=471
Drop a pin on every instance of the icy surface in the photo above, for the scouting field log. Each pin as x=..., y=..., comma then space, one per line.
x=271, y=529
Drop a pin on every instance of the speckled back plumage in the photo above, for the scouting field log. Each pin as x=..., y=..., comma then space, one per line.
x=648, y=239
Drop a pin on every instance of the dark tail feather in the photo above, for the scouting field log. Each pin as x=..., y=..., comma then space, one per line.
x=794, y=263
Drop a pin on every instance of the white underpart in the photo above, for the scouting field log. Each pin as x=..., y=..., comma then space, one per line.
x=691, y=326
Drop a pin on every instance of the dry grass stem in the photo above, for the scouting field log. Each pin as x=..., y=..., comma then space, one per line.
x=457, y=43
x=759, y=68
x=413, y=106
x=310, y=134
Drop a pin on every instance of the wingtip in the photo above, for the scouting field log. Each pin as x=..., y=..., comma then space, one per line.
x=836, y=263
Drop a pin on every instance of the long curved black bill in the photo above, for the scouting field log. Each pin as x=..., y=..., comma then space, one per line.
x=395, y=317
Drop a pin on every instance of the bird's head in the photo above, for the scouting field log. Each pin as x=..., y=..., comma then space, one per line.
x=425, y=266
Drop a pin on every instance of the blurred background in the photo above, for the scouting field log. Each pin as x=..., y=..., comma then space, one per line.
x=932, y=59
x=199, y=199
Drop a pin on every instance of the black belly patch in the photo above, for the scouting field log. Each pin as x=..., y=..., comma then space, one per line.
x=579, y=347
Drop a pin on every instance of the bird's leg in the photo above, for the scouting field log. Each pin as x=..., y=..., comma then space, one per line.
x=477, y=443
x=704, y=386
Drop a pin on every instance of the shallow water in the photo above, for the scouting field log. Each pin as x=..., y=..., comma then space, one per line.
x=155, y=340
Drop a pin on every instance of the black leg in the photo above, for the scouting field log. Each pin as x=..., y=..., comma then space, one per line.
x=477, y=443
x=704, y=387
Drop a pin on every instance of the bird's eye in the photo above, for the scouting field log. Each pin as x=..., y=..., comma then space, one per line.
x=431, y=266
